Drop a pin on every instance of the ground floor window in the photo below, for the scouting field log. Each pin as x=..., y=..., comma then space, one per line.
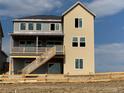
x=79, y=63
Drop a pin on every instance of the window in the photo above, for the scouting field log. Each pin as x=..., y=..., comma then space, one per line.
x=78, y=63
x=78, y=22
x=22, y=43
x=23, y=26
x=30, y=44
x=30, y=26
x=75, y=42
x=38, y=26
x=82, y=42
x=52, y=26
x=40, y=44
x=57, y=26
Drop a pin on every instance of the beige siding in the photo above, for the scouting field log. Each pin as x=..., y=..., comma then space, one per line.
x=86, y=53
x=44, y=28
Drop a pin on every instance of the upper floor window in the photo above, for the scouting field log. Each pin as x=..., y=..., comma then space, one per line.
x=75, y=42
x=82, y=42
x=78, y=22
x=57, y=26
x=52, y=27
x=78, y=63
x=38, y=26
x=22, y=43
x=23, y=26
x=30, y=26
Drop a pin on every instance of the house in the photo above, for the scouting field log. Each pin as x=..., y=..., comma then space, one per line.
x=48, y=44
x=3, y=56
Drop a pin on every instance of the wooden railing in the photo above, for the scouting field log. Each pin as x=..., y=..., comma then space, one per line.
x=40, y=60
x=59, y=49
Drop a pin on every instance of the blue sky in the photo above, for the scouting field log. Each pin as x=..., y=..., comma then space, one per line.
x=109, y=25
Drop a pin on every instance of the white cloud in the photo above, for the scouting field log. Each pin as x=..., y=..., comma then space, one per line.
x=106, y=7
x=27, y=7
x=33, y=7
x=110, y=57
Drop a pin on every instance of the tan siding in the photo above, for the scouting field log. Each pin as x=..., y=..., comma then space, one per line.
x=86, y=53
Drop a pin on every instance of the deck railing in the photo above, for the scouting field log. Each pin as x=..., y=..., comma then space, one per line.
x=59, y=49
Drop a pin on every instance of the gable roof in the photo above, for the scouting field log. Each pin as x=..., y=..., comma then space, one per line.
x=1, y=30
x=76, y=4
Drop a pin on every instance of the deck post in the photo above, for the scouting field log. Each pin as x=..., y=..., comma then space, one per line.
x=11, y=44
x=37, y=44
x=11, y=67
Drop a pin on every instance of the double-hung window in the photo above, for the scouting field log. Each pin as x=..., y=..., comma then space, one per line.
x=78, y=22
x=38, y=26
x=23, y=26
x=75, y=42
x=79, y=63
x=57, y=27
x=30, y=26
x=82, y=42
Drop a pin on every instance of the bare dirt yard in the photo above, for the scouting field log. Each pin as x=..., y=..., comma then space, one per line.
x=96, y=87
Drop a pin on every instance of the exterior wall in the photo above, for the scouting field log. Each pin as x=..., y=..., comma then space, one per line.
x=17, y=27
x=86, y=53
x=3, y=60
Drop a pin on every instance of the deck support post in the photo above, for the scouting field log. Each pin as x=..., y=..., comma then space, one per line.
x=37, y=44
x=11, y=66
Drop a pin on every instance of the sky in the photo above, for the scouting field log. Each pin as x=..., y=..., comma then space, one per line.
x=109, y=25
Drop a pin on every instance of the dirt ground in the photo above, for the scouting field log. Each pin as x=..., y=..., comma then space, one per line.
x=99, y=87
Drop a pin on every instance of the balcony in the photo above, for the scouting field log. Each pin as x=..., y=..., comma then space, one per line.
x=39, y=33
x=35, y=51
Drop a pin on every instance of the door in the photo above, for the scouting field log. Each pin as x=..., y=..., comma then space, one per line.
x=54, y=68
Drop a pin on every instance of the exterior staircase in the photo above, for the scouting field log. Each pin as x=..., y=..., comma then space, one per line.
x=40, y=60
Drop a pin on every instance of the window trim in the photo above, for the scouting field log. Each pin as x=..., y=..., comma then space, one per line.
x=78, y=23
x=21, y=26
x=37, y=26
x=29, y=26
x=79, y=66
x=84, y=41
x=74, y=41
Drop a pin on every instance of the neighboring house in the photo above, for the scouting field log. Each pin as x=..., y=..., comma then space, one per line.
x=3, y=56
x=54, y=44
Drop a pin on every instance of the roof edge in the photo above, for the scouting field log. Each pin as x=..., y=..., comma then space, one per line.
x=74, y=5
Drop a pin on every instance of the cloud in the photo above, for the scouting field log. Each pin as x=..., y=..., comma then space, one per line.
x=106, y=7
x=27, y=7
x=32, y=7
x=109, y=57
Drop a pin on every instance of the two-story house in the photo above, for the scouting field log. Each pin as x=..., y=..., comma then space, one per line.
x=3, y=56
x=48, y=44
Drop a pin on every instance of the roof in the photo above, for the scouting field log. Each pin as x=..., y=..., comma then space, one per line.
x=42, y=17
x=1, y=30
x=73, y=6
x=4, y=54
